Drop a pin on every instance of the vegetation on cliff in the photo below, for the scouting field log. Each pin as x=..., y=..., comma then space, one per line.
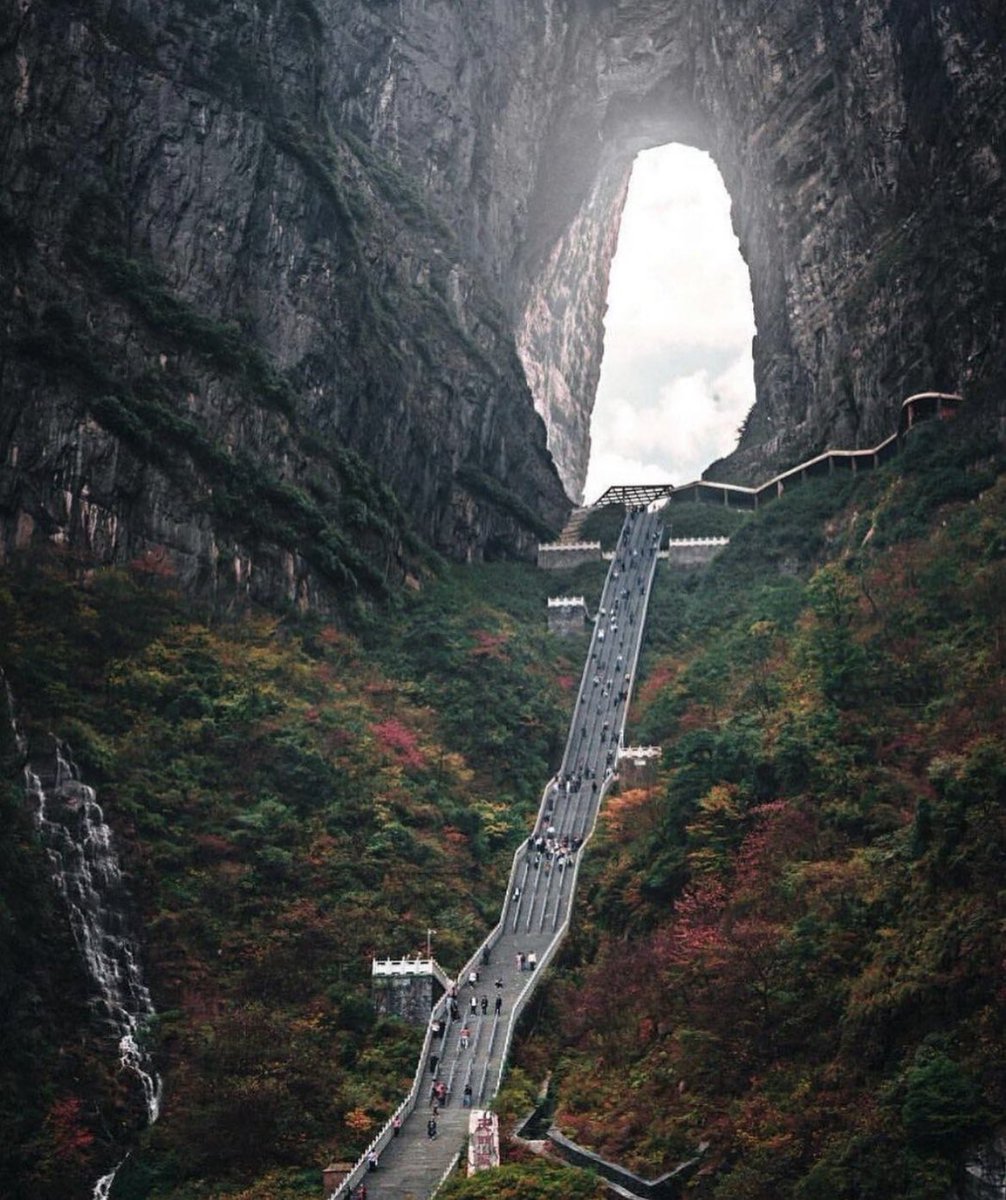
x=290, y=800
x=790, y=944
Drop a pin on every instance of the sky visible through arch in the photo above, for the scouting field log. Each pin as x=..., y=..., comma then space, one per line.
x=676, y=378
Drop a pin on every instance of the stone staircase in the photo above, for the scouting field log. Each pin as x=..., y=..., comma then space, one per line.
x=571, y=531
x=536, y=909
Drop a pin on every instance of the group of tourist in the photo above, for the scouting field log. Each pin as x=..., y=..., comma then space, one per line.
x=605, y=690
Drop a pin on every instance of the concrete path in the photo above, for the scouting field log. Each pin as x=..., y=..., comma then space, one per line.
x=540, y=893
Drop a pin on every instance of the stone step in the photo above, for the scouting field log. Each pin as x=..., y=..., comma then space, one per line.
x=574, y=523
x=534, y=912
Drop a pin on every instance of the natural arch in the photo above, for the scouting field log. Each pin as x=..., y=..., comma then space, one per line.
x=676, y=377
x=370, y=207
x=823, y=120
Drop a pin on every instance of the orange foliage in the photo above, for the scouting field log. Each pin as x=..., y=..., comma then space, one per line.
x=359, y=1121
x=621, y=814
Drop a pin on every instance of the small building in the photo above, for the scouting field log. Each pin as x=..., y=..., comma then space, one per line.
x=638, y=765
x=407, y=987
x=567, y=615
x=564, y=556
x=334, y=1174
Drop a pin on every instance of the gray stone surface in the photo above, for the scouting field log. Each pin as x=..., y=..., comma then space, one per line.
x=410, y=997
x=691, y=553
x=408, y=210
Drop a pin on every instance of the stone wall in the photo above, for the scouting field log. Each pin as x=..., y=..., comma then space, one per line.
x=638, y=765
x=567, y=615
x=410, y=997
x=693, y=552
x=666, y=1187
x=564, y=556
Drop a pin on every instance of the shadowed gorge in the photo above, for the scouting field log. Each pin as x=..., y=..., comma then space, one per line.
x=278, y=271
x=300, y=327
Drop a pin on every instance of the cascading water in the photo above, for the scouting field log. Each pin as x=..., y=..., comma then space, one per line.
x=87, y=873
x=89, y=877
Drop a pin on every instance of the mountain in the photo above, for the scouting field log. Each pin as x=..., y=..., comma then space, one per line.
x=294, y=284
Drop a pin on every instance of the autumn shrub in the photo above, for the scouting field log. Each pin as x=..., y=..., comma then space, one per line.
x=788, y=943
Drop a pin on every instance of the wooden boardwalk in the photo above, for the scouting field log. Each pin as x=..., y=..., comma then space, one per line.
x=539, y=899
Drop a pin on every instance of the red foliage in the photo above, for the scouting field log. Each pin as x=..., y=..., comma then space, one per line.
x=663, y=674
x=397, y=739
x=489, y=645
x=454, y=837
x=71, y=1137
x=780, y=834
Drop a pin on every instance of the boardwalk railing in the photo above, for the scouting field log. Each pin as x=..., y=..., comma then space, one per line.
x=922, y=406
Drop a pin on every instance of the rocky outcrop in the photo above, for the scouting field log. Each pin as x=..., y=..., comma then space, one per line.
x=279, y=271
x=237, y=337
x=861, y=143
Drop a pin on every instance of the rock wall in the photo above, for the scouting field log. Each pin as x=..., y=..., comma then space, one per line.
x=237, y=337
x=861, y=142
x=277, y=271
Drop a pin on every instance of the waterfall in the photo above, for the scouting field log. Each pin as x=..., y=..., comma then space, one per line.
x=86, y=871
x=89, y=878
x=104, y=1184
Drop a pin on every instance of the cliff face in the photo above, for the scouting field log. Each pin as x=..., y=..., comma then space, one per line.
x=861, y=142
x=237, y=339
x=274, y=269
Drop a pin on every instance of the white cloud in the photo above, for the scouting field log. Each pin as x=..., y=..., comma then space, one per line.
x=678, y=278
x=676, y=381
x=692, y=420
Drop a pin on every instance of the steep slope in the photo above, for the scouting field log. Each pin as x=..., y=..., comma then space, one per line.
x=289, y=801
x=792, y=947
x=236, y=335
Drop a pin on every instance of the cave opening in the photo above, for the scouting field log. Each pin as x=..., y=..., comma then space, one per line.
x=677, y=377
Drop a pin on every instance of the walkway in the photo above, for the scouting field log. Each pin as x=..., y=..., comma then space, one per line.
x=922, y=406
x=539, y=895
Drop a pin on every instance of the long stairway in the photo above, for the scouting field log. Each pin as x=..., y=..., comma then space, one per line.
x=472, y=1050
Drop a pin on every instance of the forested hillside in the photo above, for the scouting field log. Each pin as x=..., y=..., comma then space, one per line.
x=289, y=799
x=790, y=946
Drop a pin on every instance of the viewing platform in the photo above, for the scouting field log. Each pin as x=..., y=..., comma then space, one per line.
x=567, y=615
x=563, y=556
